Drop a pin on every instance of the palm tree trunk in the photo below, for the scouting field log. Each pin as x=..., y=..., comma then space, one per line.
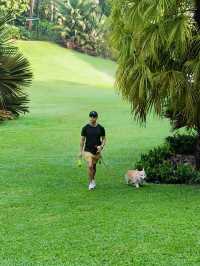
x=197, y=12
x=52, y=11
x=32, y=5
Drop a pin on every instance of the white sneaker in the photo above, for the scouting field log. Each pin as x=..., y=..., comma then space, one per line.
x=93, y=183
x=91, y=186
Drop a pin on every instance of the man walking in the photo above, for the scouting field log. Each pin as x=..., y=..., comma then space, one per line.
x=92, y=143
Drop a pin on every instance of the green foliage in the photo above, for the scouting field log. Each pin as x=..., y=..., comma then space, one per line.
x=160, y=167
x=44, y=30
x=48, y=31
x=15, y=6
x=77, y=24
x=182, y=144
x=105, y=8
x=25, y=33
x=156, y=156
x=159, y=57
x=16, y=104
x=13, y=32
x=83, y=28
x=50, y=10
x=187, y=175
x=15, y=73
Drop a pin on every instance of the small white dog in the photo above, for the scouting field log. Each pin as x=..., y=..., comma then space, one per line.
x=135, y=177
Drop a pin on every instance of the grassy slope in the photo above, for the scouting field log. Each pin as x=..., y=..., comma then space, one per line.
x=47, y=215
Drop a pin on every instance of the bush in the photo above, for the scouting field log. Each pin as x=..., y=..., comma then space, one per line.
x=182, y=144
x=186, y=174
x=13, y=32
x=160, y=168
x=43, y=31
x=48, y=31
x=25, y=34
x=155, y=156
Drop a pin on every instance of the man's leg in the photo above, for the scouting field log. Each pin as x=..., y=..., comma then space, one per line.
x=91, y=174
x=91, y=163
x=90, y=171
x=94, y=170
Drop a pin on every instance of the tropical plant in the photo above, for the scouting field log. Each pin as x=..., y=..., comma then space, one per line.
x=158, y=43
x=13, y=32
x=15, y=6
x=50, y=10
x=105, y=8
x=162, y=166
x=82, y=29
x=15, y=73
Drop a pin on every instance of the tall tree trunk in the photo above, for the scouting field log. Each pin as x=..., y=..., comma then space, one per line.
x=197, y=12
x=52, y=11
x=32, y=5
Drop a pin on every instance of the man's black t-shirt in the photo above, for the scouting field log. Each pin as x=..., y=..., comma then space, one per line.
x=93, y=137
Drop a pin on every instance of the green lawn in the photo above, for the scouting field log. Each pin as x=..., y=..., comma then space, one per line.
x=47, y=215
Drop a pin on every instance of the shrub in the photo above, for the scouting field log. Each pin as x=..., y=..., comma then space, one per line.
x=48, y=31
x=160, y=167
x=155, y=156
x=182, y=144
x=13, y=32
x=25, y=34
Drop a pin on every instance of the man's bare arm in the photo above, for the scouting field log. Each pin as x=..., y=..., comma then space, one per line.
x=103, y=142
x=82, y=144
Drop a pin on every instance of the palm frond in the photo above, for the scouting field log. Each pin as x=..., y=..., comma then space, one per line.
x=15, y=73
x=179, y=34
x=159, y=63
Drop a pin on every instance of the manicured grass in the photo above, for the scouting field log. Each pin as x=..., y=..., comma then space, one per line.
x=47, y=215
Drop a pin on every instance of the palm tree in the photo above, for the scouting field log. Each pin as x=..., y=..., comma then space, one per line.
x=50, y=9
x=15, y=73
x=158, y=44
x=81, y=24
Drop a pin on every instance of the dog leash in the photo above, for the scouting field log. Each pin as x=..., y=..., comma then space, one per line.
x=79, y=163
x=106, y=166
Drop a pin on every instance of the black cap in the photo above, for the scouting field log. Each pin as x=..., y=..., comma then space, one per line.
x=93, y=114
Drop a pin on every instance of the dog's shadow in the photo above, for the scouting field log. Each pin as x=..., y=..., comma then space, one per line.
x=141, y=186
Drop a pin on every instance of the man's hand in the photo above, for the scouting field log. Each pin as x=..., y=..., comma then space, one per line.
x=99, y=149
